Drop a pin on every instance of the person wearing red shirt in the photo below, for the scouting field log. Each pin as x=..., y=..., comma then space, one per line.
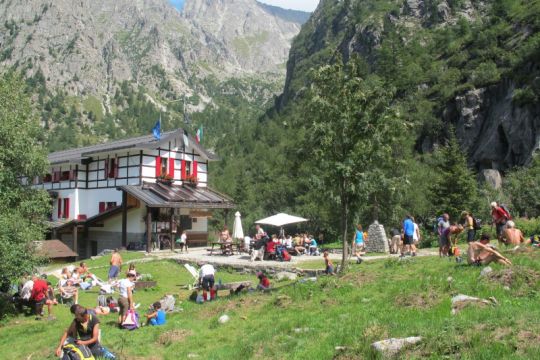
x=264, y=283
x=38, y=297
x=499, y=217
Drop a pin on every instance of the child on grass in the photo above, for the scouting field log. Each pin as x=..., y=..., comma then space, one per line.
x=329, y=266
x=156, y=316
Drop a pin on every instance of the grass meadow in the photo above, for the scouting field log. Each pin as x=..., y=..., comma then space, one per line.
x=308, y=320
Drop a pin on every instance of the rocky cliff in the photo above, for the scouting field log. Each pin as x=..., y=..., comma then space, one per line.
x=470, y=64
x=88, y=47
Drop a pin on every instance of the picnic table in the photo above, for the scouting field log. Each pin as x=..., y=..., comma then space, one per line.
x=224, y=247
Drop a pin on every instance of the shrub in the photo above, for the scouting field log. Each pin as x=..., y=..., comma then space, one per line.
x=528, y=226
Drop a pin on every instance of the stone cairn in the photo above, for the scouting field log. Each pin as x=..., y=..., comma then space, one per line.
x=377, y=241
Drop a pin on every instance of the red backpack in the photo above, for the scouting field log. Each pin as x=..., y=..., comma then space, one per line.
x=506, y=212
x=286, y=256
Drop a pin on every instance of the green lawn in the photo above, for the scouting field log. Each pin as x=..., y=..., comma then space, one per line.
x=374, y=301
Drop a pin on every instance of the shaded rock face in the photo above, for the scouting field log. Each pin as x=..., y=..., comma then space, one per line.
x=495, y=132
x=492, y=177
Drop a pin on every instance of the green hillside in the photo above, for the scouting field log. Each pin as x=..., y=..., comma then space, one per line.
x=330, y=318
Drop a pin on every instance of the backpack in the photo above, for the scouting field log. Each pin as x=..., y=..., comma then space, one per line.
x=259, y=244
x=286, y=256
x=506, y=212
x=132, y=320
x=77, y=352
x=477, y=223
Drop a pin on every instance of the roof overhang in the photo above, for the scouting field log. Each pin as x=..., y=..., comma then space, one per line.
x=77, y=156
x=156, y=195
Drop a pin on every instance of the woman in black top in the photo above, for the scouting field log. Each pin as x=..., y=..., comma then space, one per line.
x=84, y=329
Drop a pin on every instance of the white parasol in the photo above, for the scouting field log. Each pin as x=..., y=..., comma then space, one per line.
x=281, y=219
x=238, y=232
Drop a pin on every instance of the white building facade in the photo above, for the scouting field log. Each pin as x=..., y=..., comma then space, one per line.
x=99, y=193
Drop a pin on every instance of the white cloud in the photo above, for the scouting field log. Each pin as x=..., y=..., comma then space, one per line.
x=305, y=5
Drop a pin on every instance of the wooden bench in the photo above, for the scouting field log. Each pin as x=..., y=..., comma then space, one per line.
x=197, y=239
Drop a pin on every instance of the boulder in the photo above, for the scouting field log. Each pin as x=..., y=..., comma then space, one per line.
x=391, y=347
x=486, y=271
x=460, y=301
x=224, y=319
x=492, y=177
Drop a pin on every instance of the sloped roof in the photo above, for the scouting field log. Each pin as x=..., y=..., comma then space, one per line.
x=141, y=142
x=178, y=196
x=54, y=249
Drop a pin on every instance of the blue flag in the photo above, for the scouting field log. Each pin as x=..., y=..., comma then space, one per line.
x=156, y=131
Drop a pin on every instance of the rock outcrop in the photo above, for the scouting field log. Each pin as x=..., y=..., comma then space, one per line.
x=88, y=47
x=495, y=131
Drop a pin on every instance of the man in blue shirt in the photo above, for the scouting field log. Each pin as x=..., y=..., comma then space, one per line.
x=408, y=232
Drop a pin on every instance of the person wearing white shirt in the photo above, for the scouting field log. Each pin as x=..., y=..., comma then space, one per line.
x=206, y=276
x=27, y=290
x=416, y=233
x=125, y=301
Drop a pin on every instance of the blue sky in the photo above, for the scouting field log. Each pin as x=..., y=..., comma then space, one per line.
x=305, y=5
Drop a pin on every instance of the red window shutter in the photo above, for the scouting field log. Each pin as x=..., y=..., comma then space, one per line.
x=66, y=208
x=102, y=206
x=183, y=169
x=115, y=168
x=59, y=208
x=158, y=166
x=106, y=168
x=171, y=167
x=194, y=169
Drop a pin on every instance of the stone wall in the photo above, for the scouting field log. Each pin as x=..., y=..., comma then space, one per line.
x=377, y=241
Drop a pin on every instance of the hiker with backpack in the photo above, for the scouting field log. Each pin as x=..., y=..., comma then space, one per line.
x=469, y=224
x=82, y=336
x=443, y=223
x=499, y=216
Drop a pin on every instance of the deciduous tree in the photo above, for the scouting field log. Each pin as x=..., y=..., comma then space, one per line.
x=22, y=209
x=351, y=130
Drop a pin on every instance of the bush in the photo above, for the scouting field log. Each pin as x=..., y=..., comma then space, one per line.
x=429, y=240
x=528, y=226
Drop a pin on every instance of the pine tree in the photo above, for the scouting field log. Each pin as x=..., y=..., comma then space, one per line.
x=455, y=188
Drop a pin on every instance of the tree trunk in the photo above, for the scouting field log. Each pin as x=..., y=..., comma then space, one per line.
x=344, y=225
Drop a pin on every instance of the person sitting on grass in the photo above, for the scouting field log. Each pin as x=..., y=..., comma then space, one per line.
x=156, y=316
x=513, y=236
x=481, y=253
x=264, y=283
x=38, y=298
x=84, y=330
x=329, y=266
x=68, y=290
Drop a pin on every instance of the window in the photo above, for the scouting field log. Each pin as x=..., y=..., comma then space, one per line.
x=47, y=178
x=65, y=214
x=164, y=163
x=56, y=176
x=164, y=166
x=188, y=168
x=66, y=175
x=111, y=204
x=112, y=171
